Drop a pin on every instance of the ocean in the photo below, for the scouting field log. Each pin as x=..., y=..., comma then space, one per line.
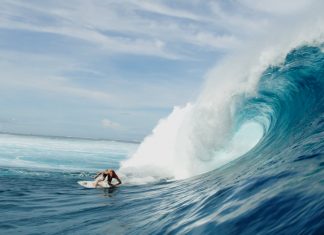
x=257, y=170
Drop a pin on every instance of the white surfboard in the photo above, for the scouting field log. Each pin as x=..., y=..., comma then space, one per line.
x=90, y=184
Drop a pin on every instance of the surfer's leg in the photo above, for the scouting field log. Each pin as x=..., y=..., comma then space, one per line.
x=99, y=178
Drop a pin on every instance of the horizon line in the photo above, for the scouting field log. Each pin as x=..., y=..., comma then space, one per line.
x=70, y=137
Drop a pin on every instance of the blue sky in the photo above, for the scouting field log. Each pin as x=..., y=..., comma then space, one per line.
x=112, y=69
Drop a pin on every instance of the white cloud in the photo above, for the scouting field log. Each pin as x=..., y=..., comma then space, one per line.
x=106, y=123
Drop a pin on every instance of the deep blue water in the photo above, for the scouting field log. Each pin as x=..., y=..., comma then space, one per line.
x=275, y=188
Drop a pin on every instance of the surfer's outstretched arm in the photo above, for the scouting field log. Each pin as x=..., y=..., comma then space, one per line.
x=99, y=173
x=119, y=181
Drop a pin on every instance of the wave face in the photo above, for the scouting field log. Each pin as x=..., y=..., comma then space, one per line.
x=275, y=185
x=262, y=152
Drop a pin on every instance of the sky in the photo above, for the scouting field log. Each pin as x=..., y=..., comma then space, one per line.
x=112, y=69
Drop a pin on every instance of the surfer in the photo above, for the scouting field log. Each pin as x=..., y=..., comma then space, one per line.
x=109, y=174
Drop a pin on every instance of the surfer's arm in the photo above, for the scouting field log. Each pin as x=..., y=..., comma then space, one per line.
x=119, y=182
